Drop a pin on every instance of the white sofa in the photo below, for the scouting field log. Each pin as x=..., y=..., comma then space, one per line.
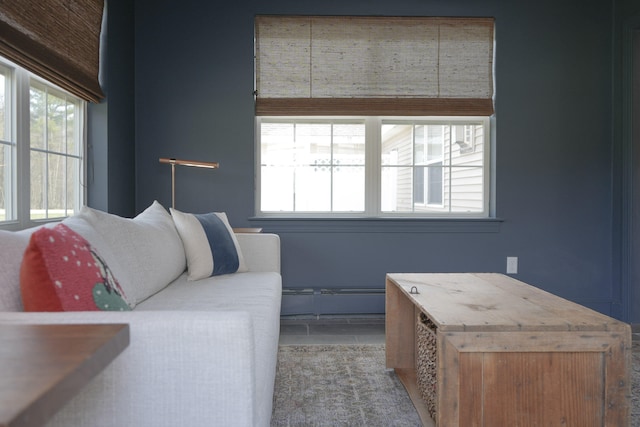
x=201, y=353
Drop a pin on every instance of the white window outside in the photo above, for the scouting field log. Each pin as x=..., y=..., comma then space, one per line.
x=42, y=146
x=373, y=166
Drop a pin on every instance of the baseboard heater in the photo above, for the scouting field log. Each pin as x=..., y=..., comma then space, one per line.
x=333, y=301
x=333, y=291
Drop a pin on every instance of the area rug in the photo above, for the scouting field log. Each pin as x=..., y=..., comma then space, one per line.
x=348, y=385
x=339, y=385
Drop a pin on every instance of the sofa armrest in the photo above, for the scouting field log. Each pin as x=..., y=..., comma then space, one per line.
x=181, y=368
x=261, y=251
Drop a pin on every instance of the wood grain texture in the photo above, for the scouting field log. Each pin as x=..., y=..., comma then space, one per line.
x=543, y=389
x=489, y=301
x=471, y=385
x=510, y=354
x=408, y=379
x=399, y=329
x=43, y=366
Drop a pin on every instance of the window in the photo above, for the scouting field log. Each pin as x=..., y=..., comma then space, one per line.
x=373, y=116
x=42, y=142
x=312, y=166
x=428, y=148
x=373, y=166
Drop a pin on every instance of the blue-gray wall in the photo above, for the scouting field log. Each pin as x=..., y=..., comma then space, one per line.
x=557, y=179
x=111, y=124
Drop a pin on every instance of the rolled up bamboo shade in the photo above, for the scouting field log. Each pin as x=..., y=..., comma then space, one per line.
x=319, y=65
x=58, y=40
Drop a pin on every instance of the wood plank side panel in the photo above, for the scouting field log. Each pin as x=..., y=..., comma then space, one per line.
x=543, y=389
x=531, y=341
x=399, y=328
x=410, y=383
x=617, y=397
x=448, y=374
x=471, y=399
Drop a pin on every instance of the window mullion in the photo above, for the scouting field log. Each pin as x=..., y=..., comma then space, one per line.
x=80, y=191
x=413, y=167
x=22, y=137
x=331, y=169
x=8, y=146
x=373, y=167
x=45, y=166
x=66, y=156
x=450, y=169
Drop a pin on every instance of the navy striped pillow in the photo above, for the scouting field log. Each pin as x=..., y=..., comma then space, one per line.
x=223, y=249
x=209, y=244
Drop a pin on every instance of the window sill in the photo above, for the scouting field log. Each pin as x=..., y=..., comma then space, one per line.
x=377, y=225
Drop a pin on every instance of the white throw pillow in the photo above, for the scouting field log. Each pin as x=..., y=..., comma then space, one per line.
x=148, y=249
x=12, y=246
x=84, y=228
x=209, y=243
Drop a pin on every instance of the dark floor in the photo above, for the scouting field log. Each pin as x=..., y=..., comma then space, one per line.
x=364, y=329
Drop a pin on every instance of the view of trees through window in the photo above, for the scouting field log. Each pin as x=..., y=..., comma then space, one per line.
x=41, y=148
x=54, y=153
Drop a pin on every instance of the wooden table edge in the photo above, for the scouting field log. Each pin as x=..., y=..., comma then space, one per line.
x=53, y=399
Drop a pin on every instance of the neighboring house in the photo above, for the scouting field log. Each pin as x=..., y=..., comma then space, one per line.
x=445, y=168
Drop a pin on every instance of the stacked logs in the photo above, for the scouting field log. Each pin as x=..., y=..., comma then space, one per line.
x=426, y=364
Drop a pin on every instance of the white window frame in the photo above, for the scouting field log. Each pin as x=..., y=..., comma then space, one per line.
x=373, y=166
x=7, y=141
x=426, y=187
x=18, y=102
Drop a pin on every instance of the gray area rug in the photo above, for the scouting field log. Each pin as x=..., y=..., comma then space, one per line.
x=339, y=385
x=348, y=385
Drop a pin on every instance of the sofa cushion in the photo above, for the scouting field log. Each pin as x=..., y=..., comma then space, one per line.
x=257, y=294
x=210, y=244
x=148, y=248
x=61, y=271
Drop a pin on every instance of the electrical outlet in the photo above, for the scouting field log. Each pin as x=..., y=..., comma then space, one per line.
x=512, y=265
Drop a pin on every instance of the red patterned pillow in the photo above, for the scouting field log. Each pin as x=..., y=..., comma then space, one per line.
x=61, y=272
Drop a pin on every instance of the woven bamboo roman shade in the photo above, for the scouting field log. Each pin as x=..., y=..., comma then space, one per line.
x=318, y=65
x=59, y=40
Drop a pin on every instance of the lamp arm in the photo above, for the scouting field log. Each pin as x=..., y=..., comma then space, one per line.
x=193, y=163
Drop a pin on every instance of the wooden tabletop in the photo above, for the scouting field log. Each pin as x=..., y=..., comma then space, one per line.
x=43, y=366
x=487, y=301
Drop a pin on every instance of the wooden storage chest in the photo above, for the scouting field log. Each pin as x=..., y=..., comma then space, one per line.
x=509, y=354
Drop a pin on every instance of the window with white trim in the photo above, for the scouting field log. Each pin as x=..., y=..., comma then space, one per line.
x=373, y=166
x=42, y=146
x=373, y=116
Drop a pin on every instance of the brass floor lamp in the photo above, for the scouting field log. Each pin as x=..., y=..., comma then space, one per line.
x=192, y=163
